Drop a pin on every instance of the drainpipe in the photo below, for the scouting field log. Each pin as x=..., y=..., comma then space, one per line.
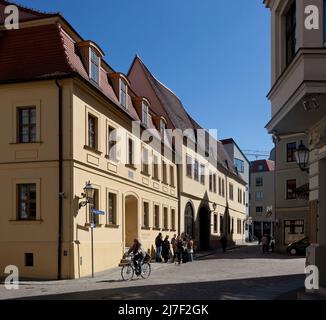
x=60, y=191
x=179, y=167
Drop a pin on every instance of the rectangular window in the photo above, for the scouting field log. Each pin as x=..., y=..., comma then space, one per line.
x=189, y=166
x=96, y=202
x=172, y=176
x=26, y=125
x=95, y=67
x=156, y=216
x=221, y=225
x=293, y=231
x=123, y=94
x=112, y=209
x=244, y=198
x=29, y=260
x=145, y=168
x=155, y=168
x=259, y=210
x=259, y=195
x=92, y=131
x=239, y=225
x=210, y=181
x=165, y=219
x=146, y=214
x=131, y=152
x=324, y=22
x=239, y=195
x=291, y=33
x=214, y=183
x=291, y=186
x=112, y=144
x=164, y=173
x=26, y=198
x=223, y=188
x=196, y=173
x=145, y=114
x=219, y=186
x=259, y=181
x=202, y=174
x=215, y=223
x=232, y=225
x=231, y=191
x=290, y=151
x=239, y=164
x=173, y=219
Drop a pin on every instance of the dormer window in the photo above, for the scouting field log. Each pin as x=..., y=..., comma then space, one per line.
x=123, y=94
x=94, y=67
x=162, y=126
x=145, y=114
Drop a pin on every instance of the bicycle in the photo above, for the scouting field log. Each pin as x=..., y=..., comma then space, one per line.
x=128, y=269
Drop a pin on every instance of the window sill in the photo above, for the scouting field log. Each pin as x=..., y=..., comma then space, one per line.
x=172, y=186
x=112, y=226
x=156, y=229
x=130, y=166
x=145, y=174
x=156, y=179
x=166, y=230
x=145, y=228
x=88, y=225
x=27, y=221
x=26, y=143
x=165, y=183
x=92, y=150
x=173, y=230
x=115, y=161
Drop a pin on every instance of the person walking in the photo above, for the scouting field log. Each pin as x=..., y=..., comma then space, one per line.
x=184, y=250
x=190, y=248
x=223, y=241
x=166, y=249
x=179, y=249
x=159, y=245
x=264, y=243
x=174, y=247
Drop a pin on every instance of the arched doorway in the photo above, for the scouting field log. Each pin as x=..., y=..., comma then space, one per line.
x=189, y=220
x=204, y=228
x=131, y=220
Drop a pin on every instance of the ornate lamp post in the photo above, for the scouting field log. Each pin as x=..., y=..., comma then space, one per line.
x=302, y=157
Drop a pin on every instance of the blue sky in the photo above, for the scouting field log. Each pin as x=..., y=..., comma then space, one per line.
x=214, y=54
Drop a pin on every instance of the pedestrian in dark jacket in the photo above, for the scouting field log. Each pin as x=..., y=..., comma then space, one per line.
x=166, y=249
x=159, y=245
x=223, y=241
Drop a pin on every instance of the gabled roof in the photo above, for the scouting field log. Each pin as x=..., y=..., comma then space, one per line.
x=25, y=14
x=180, y=119
x=232, y=141
x=267, y=166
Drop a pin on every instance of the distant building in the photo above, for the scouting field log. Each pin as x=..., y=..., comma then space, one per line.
x=262, y=197
x=242, y=165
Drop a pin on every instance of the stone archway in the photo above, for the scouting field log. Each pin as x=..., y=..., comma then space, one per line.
x=204, y=228
x=131, y=220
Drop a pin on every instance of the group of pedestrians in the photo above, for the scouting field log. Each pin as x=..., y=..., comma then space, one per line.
x=267, y=243
x=179, y=249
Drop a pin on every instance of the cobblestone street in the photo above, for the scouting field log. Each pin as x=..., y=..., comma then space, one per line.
x=242, y=273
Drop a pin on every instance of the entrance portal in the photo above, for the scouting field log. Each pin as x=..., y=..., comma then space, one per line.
x=131, y=220
x=204, y=228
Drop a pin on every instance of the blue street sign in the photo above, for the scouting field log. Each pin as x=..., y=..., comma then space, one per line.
x=98, y=212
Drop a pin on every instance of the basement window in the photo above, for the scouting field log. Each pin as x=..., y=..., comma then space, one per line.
x=29, y=260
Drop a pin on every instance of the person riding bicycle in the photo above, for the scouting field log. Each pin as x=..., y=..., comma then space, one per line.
x=139, y=255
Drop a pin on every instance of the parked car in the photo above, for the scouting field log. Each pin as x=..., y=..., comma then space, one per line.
x=298, y=247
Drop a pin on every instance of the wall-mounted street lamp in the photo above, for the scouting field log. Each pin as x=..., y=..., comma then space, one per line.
x=302, y=157
x=214, y=207
x=88, y=195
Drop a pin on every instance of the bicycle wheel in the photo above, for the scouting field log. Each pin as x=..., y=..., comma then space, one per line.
x=127, y=272
x=146, y=270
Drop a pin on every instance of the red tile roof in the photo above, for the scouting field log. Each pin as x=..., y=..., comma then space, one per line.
x=267, y=165
x=25, y=14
